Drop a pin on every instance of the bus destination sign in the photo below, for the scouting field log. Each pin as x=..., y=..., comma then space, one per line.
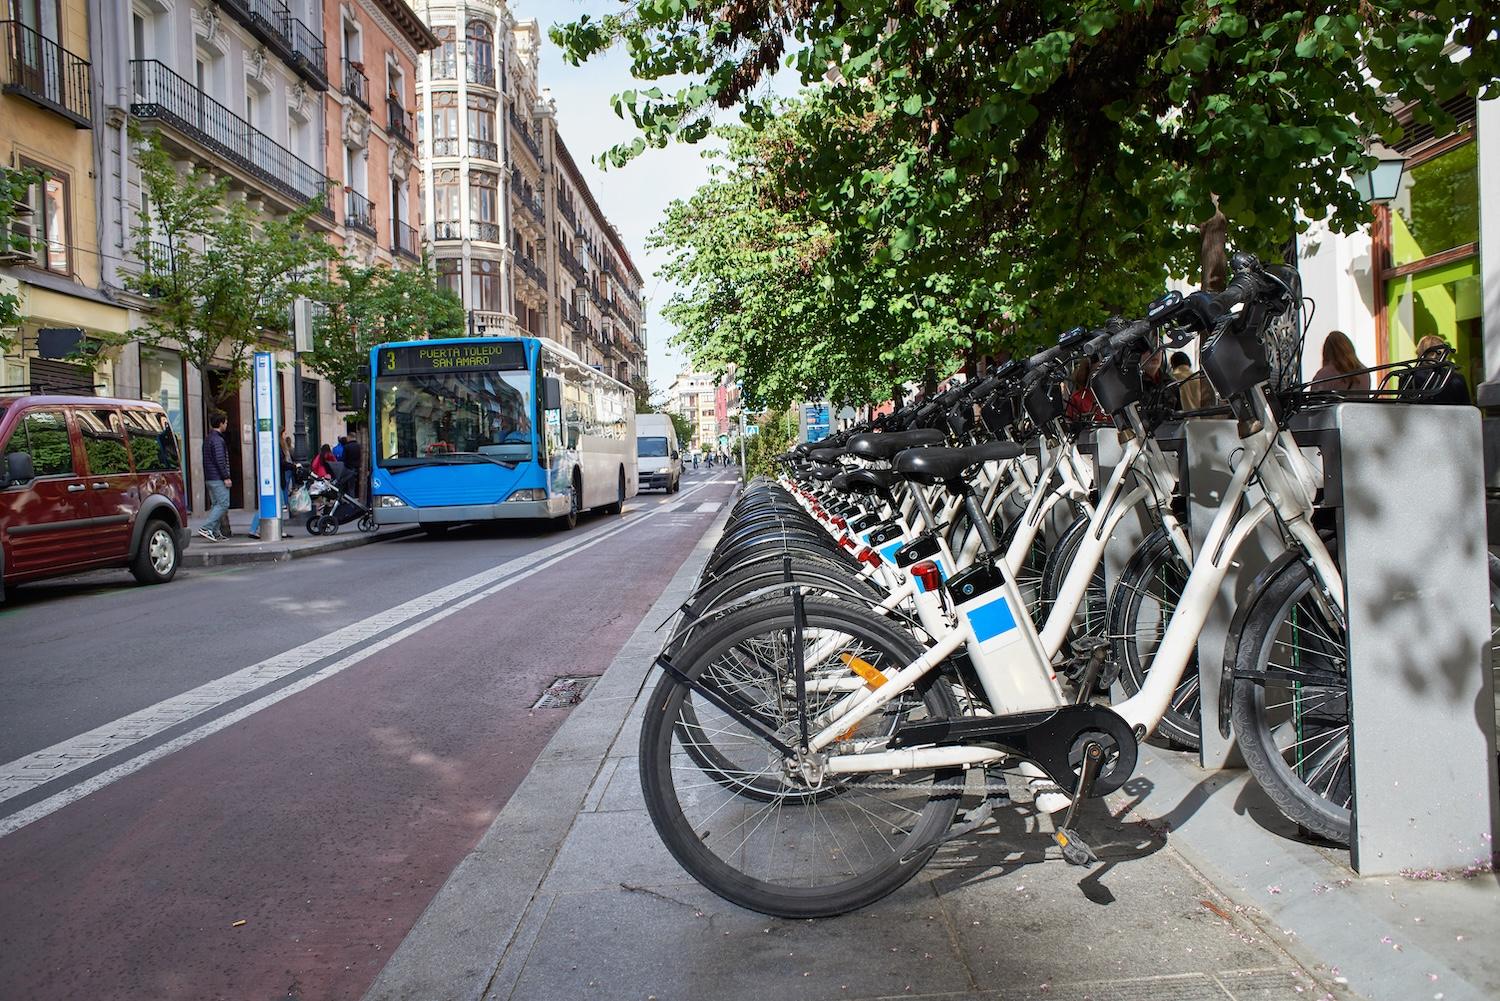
x=429, y=358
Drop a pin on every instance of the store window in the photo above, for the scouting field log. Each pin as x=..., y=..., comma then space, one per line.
x=1429, y=242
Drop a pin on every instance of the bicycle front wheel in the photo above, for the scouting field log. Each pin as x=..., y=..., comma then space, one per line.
x=810, y=849
x=1291, y=704
x=1141, y=605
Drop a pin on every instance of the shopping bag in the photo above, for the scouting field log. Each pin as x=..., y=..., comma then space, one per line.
x=299, y=501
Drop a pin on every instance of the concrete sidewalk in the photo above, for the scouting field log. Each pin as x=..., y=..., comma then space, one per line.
x=571, y=895
x=298, y=542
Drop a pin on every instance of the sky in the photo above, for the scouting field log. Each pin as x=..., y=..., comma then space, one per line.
x=634, y=197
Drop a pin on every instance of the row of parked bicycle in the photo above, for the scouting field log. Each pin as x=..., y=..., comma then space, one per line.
x=914, y=618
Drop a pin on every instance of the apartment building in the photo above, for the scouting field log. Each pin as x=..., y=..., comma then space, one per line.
x=49, y=124
x=513, y=227
x=371, y=132
x=695, y=395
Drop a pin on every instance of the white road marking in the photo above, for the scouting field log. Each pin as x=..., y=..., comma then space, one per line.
x=63, y=758
x=707, y=506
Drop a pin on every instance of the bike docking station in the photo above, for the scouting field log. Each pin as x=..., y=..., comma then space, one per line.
x=1403, y=488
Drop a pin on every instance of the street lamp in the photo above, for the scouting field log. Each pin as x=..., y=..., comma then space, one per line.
x=1381, y=183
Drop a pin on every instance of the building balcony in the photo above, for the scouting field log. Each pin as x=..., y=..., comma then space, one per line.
x=398, y=123
x=162, y=96
x=356, y=85
x=532, y=270
x=359, y=212
x=445, y=147
x=46, y=74
x=487, y=232
x=447, y=231
x=481, y=73
x=524, y=131
x=568, y=212
x=294, y=42
x=405, y=240
x=483, y=149
x=573, y=266
x=488, y=321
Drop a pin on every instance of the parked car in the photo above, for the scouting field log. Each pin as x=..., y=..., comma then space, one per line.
x=86, y=483
x=659, y=460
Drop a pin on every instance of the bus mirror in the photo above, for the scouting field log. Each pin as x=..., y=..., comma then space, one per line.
x=359, y=395
x=551, y=393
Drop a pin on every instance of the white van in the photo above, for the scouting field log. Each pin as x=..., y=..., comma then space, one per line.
x=659, y=459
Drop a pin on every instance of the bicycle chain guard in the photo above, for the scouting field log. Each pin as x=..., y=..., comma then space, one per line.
x=1052, y=739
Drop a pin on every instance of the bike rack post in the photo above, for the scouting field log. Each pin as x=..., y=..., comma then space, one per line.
x=1407, y=485
x=1210, y=441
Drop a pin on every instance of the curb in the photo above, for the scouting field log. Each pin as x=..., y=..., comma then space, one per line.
x=456, y=947
x=280, y=552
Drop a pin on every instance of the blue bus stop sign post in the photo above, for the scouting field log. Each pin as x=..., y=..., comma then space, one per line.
x=267, y=454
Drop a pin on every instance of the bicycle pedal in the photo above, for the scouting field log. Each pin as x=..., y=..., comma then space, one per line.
x=973, y=820
x=1074, y=850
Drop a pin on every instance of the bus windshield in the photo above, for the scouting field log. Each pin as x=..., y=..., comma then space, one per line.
x=651, y=448
x=454, y=417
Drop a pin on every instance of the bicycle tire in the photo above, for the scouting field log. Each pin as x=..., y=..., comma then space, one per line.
x=1029, y=574
x=1155, y=571
x=1285, y=623
x=1091, y=616
x=933, y=795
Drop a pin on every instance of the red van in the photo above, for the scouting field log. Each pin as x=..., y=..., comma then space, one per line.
x=88, y=482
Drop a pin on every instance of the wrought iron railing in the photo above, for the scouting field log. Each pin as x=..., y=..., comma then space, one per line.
x=293, y=41
x=489, y=232
x=356, y=84
x=573, y=266
x=398, y=122
x=567, y=211
x=524, y=131
x=163, y=96
x=447, y=231
x=444, y=146
x=481, y=73
x=532, y=270
x=484, y=149
x=46, y=74
x=359, y=212
x=405, y=240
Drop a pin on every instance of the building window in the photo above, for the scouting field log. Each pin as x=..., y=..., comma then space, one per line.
x=484, y=205
x=487, y=293
x=480, y=58
x=445, y=58
x=450, y=275
x=482, y=127
x=445, y=124
x=49, y=203
x=447, y=206
x=1428, y=243
x=311, y=419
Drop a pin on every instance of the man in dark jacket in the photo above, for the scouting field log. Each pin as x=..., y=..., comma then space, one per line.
x=215, y=476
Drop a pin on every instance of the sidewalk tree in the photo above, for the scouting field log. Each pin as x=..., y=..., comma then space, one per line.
x=369, y=305
x=1040, y=164
x=221, y=278
x=682, y=427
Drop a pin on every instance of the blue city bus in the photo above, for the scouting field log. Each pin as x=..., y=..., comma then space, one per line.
x=479, y=428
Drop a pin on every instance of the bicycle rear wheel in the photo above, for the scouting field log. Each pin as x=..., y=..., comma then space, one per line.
x=1089, y=619
x=804, y=850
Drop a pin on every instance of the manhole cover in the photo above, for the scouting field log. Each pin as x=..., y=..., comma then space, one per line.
x=564, y=693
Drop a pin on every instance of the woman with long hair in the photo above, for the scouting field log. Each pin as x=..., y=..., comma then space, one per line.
x=1341, y=366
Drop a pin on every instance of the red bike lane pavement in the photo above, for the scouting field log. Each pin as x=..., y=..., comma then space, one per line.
x=326, y=822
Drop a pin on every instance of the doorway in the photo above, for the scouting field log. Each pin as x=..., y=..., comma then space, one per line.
x=222, y=397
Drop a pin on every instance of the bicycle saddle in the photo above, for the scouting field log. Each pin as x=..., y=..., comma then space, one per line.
x=865, y=481
x=826, y=453
x=825, y=473
x=947, y=465
x=886, y=444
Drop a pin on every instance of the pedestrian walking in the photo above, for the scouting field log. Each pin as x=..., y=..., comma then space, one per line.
x=216, y=478
x=1341, y=369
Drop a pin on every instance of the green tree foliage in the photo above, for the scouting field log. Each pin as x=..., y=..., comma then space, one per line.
x=684, y=429
x=368, y=306
x=1009, y=169
x=776, y=432
x=221, y=279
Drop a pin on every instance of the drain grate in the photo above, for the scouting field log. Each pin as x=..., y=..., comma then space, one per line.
x=564, y=693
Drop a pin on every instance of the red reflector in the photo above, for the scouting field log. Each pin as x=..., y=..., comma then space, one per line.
x=928, y=573
x=868, y=555
x=839, y=522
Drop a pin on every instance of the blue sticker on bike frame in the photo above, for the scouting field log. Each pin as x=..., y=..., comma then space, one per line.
x=989, y=621
x=889, y=552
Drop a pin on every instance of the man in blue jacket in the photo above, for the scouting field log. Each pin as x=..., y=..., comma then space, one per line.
x=215, y=475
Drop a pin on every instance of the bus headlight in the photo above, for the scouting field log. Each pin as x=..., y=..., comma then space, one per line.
x=387, y=500
x=529, y=494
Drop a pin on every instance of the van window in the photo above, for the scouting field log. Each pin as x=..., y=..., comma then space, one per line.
x=651, y=448
x=153, y=445
x=103, y=441
x=43, y=434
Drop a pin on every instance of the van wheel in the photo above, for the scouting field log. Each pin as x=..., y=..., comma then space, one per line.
x=159, y=554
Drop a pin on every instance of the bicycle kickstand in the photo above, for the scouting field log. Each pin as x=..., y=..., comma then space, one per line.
x=1075, y=851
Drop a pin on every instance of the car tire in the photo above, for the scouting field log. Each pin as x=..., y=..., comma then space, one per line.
x=158, y=555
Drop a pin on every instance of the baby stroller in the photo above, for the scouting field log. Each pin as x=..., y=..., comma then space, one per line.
x=333, y=505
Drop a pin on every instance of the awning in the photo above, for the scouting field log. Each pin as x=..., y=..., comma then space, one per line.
x=48, y=308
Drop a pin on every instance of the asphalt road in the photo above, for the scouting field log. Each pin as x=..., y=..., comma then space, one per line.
x=249, y=783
